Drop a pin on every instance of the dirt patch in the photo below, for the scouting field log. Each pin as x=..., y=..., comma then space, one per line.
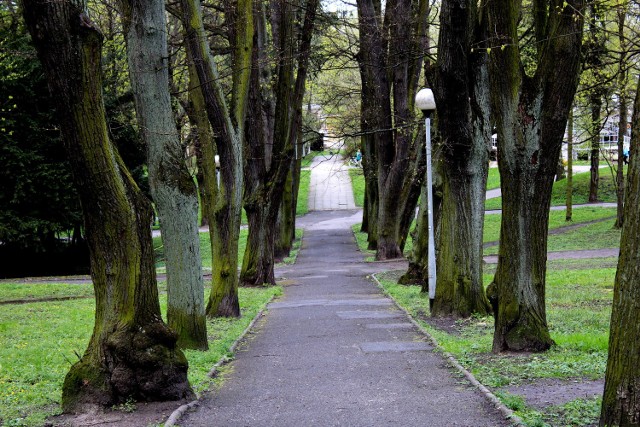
x=144, y=415
x=554, y=392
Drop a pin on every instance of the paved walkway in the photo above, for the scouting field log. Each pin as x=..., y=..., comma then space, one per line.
x=330, y=187
x=334, y=351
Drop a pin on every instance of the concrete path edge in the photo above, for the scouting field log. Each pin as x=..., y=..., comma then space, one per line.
x=175, y=416
x=492, y=398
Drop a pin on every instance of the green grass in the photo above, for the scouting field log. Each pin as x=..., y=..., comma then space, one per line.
x=581, y=182
x=40, y=341
x=205, y=250
x=33, y=291
x=303, y=193
x=493, y=179
x=358, y=184
x=593, y=236
x=578, y=313
x=308, y=159
x=599, y=235
x=557, y=219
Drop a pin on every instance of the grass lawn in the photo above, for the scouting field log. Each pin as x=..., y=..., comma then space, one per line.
x=593, y=236
x=358, y=184
x=606, y=190
x=578, y=312
x=308, y=159
x=493, y=179
x=41, y=340
x=205, y=250
x=303, y=193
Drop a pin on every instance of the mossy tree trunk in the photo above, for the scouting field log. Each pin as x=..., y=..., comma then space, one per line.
x=596, y=109
x=132, y=353
x=621, y=399
x=530, y=115
x=569, y=201
x=390, y=61
x=266, y=176
x=462, y=99
x=173, y=190
x=286, y=221
x=595, y=57
x=623, y=78
x=227, y=122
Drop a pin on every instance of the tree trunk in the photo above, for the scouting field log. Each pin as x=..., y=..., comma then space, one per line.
x=390, y=58
x=172, y=187
x=596, y=108
x=621, y=399
x=622, y=111
x=132, y=353
x=285, y=223
x=418, y=258
x=266, y=181
x=531, y=116
x=227, y=123
x=569, y=201
x=462, y=99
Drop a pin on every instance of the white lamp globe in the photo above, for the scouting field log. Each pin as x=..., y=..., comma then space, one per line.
x=425, y=101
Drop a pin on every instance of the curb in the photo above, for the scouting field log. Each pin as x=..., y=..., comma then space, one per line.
x=178, y=413
x=492, y=398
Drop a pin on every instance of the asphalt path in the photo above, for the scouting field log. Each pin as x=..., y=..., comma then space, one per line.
x=334, y=351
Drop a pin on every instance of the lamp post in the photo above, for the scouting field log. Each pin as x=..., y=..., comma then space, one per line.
x=426, y=103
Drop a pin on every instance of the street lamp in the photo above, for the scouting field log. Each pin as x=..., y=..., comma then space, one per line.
x=427, y=104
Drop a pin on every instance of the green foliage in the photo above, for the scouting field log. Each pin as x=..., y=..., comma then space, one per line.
x=38, y=201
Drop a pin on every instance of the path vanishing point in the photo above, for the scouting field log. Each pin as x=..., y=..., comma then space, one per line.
x=334, y=350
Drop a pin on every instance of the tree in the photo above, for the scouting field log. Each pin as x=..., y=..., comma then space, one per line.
x=461, y=89
x=227, y=120
x=569, y=201
x=132, y=353
x=530, y=112
x=390, y=61
x=623, y=78
x=174, y=192
x=595, y=51
x=621, y=399
x=273, y=125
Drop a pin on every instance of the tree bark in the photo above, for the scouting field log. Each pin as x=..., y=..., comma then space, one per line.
x=462, y=98
x=132, y=353
x=569, y=201
x=227, y=122
x=531, y=116
x=387, y=102
x=266, y=180
x=596, y=109
x=172, y=187
x=621, y=399
x=622, y=111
